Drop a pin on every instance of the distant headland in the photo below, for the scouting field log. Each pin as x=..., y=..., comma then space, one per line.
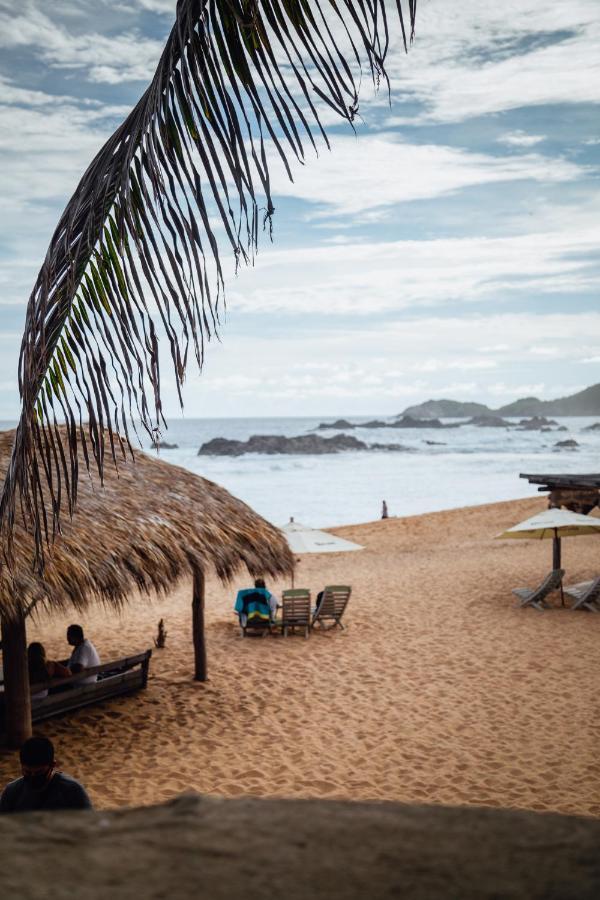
x=584, y=403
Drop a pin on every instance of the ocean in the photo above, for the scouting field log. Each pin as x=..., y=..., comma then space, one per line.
x=472, y=465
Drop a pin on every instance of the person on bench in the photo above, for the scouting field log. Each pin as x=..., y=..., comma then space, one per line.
x=42, y=669
x=84, y=656
x=42, y=786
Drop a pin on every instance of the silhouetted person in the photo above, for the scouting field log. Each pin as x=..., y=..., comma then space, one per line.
x=42, y=786
x=84, y=656
x=384, y=510
x=42, y=669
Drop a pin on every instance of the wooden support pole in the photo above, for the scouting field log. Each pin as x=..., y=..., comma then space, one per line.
x=17, y=700
x=200, y=672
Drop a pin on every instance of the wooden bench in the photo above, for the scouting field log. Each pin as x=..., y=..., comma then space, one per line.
x=120, y=676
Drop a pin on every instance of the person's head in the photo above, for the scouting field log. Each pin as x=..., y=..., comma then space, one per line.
x=36, y=663
x=74, y=635
x=37, y=761
x=259, y=583
x=36, y=654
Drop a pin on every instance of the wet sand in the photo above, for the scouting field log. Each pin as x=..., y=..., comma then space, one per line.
x=438, y=691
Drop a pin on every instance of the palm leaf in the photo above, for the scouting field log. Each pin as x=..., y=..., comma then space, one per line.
x=136, y=244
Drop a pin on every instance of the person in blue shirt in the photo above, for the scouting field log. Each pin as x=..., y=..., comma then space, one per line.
x=256, y=603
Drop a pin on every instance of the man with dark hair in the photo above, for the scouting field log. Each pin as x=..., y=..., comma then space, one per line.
x=42, y=786
x=84, y=656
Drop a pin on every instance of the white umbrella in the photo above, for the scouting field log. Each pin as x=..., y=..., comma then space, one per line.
x=303, y=539
x=556, y=524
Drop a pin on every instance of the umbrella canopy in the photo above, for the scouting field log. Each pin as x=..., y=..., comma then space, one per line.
x=303, y=539
x=556, y=524
x=553, y=523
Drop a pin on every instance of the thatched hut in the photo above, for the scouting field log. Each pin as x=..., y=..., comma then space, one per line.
x=148, y=525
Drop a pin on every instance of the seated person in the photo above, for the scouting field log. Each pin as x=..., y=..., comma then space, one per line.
x=84, y=656
x=256, y=603
x=42, y=786
x=42, y=669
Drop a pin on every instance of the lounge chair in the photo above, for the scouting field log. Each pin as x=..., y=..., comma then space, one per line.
x=295, y=611
x=332, y=606
x=255, y=615
x=586, y=595
x=537, y=598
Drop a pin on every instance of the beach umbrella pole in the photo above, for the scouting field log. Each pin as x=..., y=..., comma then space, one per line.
x=556, y=561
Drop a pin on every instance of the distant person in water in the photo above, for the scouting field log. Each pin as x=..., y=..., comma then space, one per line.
x=84, y=655
x=42, y=786
x=245, y=595
x=42, y=669
x=384, y=510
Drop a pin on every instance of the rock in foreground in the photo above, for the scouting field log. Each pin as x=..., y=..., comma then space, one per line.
x=255, y=849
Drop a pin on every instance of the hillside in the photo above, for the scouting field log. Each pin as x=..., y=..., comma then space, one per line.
x=584, y=403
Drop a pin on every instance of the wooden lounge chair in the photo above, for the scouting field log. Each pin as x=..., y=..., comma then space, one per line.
x=121, y=676
x=537, y=598
x=295, y=611
x=586, y=595
x=332, y=606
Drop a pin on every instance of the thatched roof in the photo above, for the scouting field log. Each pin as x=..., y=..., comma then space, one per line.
x=145, y=528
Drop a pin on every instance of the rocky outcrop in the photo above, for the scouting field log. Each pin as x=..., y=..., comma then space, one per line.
x=536, y=423
x=273, y=444
x=567, y=445
x=445, y=409
x=338, y=425
x=164, y=445
x=489, y=421
x=411, y=422
x=594, y=427
x=208, y=848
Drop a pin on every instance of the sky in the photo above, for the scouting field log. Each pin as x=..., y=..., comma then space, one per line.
x=449, y=248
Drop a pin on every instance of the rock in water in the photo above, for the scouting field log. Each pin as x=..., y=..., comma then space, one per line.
x=272, y=444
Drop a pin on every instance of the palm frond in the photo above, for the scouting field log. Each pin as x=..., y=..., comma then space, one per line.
x=137, y=246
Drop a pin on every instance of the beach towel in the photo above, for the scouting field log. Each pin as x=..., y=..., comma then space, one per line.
x=252, y=605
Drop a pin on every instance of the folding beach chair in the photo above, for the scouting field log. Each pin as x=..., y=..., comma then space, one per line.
x=537, y=598
x=332, y=606
x=295, y=611
x=586, y=595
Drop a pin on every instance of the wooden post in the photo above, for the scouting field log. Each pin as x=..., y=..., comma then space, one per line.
x=17, y=700
x=198, y=626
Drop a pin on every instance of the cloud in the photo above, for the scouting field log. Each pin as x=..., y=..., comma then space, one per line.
x=102, y=57
x=371, y=278
x=492, y=57
x=350, y=179
x=521, y=139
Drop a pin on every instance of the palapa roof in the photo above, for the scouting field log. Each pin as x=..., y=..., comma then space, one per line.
x=148, y=525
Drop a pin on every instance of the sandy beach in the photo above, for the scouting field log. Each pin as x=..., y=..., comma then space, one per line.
x=438, y=691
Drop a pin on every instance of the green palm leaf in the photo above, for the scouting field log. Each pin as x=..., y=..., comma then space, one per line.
x=136, y=244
